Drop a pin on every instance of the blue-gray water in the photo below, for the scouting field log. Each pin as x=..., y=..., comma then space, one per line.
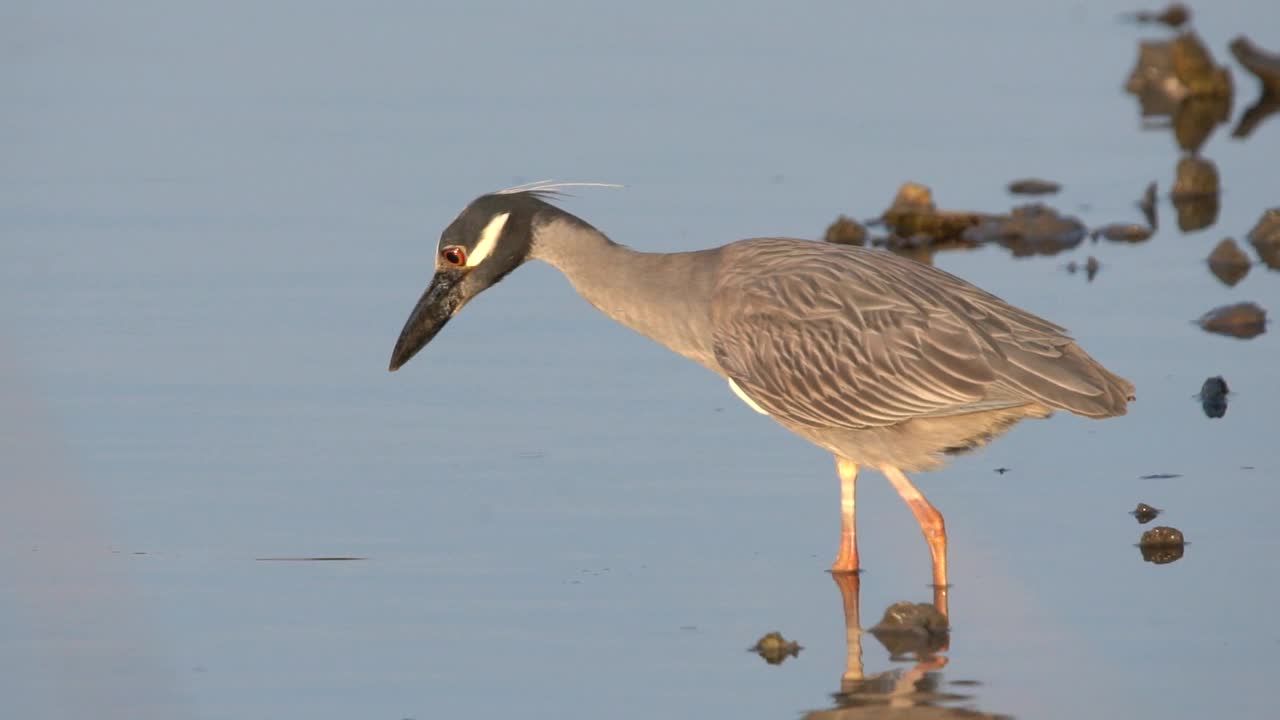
x=216, y=217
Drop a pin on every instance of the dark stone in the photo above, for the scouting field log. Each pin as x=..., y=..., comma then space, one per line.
x=1213, y=397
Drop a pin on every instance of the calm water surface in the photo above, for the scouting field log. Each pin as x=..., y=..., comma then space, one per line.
x=216, y=217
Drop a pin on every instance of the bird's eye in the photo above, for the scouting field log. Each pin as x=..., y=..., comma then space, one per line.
x=455, y=256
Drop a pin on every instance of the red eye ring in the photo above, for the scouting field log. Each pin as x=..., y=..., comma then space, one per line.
x=454, y=255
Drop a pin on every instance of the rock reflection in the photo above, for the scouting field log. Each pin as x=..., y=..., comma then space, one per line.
x=909, y=693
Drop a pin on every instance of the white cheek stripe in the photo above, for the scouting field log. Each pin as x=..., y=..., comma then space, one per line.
x=743, y=396
x=488, y=239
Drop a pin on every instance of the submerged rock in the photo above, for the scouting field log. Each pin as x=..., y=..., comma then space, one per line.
x=1123, y=232
x=1213, y=397
x=1145, y=513
x=1029, y=230
x=846, y=231
x=1228, y=262
x=1265, y=238
x=1034, y=186
x=774, y=648
x=1242, y=320
x=1195, y=193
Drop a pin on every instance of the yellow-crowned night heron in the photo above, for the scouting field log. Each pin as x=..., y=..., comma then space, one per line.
x=883, y=361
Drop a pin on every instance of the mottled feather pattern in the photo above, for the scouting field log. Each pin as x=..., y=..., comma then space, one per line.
x=829, y=336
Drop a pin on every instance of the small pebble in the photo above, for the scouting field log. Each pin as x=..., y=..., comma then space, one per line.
x=846, y=231
x=774, y=648
x=1145, y=513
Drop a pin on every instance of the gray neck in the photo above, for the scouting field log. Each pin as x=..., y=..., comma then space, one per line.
x=665, y=297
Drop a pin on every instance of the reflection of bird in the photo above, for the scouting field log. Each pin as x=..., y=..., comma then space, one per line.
x=882, y=361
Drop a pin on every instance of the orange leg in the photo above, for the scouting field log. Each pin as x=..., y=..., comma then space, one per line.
x=847, y=558
x=935, y=532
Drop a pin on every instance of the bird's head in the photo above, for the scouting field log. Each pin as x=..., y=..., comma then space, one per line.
x=491, y=237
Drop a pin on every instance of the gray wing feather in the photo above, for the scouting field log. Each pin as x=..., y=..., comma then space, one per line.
x=831, y=336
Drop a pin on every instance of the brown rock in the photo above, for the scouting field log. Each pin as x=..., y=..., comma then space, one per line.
x=846, y=231
x=1242, y=320
x=1265, y=238
x=1195, y=193
x=1123, y=232
x=1228, y=262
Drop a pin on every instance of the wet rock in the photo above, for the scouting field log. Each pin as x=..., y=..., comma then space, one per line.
x=1168, y=73
x=1090, y=268
x=1264, y=65
x=1153, y=81
x=1145, y=513
x=915, y=219
x=1030, y=230
x=1148, y=206
x=1195, y=193
x=1194, y=66
x=846, y=231
x=912, y=628
x=1034, y=186
x=1213, y=397
x=774, y=648
x=1161, y=545
x=1174, y=16
x=1228, y=262
x=1123, y=232
x=1195, y=176
x=1265, y=238
x=1163, y=536
x=1241, y=320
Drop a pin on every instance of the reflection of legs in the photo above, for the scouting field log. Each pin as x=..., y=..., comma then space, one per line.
x=849, y=587
x=935, y=533
x=847, y=557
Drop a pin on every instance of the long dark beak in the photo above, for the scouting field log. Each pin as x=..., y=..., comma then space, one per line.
x=441, y=300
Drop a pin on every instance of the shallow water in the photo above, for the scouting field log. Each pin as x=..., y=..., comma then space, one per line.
x=216, y=218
